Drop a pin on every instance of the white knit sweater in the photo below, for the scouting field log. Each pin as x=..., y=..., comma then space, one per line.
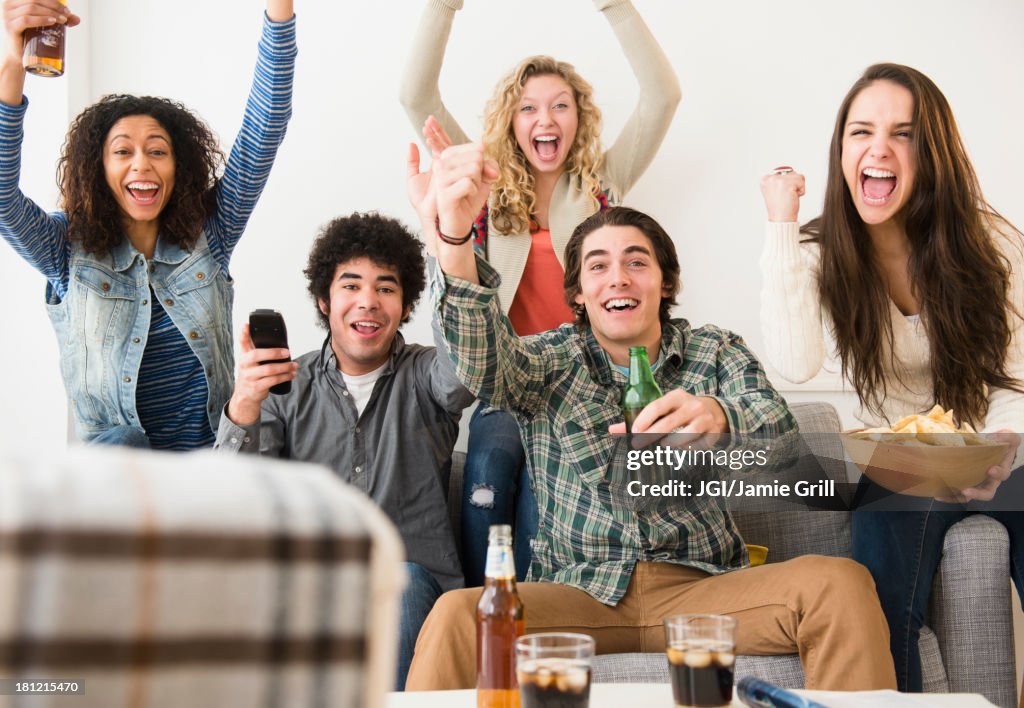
x=794, y=326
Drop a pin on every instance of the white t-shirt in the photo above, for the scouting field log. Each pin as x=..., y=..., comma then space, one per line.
x=361, y=387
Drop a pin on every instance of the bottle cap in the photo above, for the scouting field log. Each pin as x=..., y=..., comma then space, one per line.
x=500, y=535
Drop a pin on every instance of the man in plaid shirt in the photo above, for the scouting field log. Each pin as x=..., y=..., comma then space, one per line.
x=603, y=568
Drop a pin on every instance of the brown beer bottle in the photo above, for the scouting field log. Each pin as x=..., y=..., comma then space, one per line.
x=44, y=49
x=641, y=388
x=499, y=622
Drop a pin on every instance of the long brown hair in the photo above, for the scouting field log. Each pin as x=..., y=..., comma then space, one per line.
x=957, y=273
x=513, y=197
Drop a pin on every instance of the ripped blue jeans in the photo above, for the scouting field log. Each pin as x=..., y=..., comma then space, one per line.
x=496, y=490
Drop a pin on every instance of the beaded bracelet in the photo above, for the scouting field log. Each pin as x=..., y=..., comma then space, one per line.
x=448, y=239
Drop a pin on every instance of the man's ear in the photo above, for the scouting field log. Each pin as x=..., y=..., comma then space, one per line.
x=666, y=289
x=578, y=299
x=323, y=307
x=406, y=312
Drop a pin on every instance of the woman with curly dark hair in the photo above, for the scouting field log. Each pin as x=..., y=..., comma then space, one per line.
x=136, y=264
x=921, y=284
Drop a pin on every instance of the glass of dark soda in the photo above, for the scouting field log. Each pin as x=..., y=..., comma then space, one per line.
x=553, y=670
x=701, y=653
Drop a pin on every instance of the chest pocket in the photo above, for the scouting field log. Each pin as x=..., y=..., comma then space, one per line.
x=194, y=275
x=201, y=287
x=586, y=442
x=104, y=283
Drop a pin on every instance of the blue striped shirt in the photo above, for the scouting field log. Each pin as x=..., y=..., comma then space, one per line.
x=171, y=395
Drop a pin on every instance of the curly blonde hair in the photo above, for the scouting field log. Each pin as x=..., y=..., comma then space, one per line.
x=513, y=196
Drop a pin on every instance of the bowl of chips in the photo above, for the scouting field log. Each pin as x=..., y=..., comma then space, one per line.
x=924, y=455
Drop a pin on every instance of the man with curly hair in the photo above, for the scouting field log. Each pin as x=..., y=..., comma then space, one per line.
x=383, y=414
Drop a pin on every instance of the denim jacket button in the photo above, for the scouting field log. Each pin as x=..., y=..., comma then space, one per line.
x=168, y=302
x=135, y=340
x=127, y=379
x=200, y=275
x=105, y=287
x=145, y=301
x=193, y=335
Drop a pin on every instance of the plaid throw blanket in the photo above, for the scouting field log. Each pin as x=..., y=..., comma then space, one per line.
x=159, y=579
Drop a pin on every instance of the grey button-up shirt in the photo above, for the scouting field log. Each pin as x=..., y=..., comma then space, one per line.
x=399, y=451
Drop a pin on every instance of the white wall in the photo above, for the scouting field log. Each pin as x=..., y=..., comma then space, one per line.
x=761, y=83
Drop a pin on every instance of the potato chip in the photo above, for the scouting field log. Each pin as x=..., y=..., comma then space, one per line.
x=936, y=427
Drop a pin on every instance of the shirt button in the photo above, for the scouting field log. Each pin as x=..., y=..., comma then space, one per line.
x=234, y=441
x=359, y=430
x=358, y=468
x=344, y=393
x=246, y=439
x=135, y=340
x=168, y=302
x=127, y=379
x=193, y=335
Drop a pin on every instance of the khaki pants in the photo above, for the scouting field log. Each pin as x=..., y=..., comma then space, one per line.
x=823, y=608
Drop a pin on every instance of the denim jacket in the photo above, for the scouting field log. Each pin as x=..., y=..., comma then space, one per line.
x=110, y=296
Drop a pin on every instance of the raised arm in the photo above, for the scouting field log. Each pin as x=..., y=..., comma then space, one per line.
x=38, y=237
x=267, y=112
x=790, y=306
x=419, y=93
x=19, y=16
x=638, y=143
x=490, y=360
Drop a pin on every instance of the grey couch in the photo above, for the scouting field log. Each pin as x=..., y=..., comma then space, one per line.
x=968, y=643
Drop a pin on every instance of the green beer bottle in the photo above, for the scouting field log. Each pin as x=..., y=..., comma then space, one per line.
x=641, y=388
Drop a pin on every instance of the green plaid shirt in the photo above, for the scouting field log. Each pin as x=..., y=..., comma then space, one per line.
x=561, y=388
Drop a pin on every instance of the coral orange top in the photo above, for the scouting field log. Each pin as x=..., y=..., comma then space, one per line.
x=539, y=304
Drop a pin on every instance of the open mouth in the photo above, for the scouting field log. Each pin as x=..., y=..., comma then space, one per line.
x=877, y=186
x=546, y=147
x=143, y=193
x=621, y=304
x=366, y=328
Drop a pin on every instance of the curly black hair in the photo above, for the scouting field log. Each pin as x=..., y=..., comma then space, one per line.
x=94, y=217
x=385, y=241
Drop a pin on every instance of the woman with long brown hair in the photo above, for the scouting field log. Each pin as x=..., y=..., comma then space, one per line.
x=921, y=285
x=543, y=129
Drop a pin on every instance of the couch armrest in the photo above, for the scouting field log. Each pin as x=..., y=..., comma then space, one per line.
x=970, y=610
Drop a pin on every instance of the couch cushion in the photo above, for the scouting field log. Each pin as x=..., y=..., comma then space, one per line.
x=789, y=534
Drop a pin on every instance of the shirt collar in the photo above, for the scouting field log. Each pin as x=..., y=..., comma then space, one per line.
x=124, y=254
x=674, y=335
x=329, y=362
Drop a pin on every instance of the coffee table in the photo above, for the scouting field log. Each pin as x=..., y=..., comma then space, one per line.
x=659, y=695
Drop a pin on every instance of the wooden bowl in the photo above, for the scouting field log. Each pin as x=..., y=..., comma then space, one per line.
x=923, y=470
